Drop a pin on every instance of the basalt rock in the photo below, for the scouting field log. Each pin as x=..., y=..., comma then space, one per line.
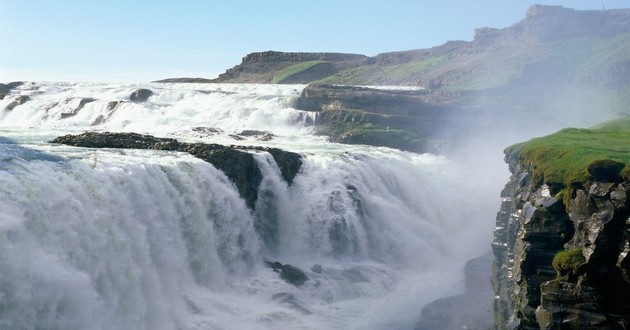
x=82, y=102
x=18, y=100
x=237, y=164
x=532, y=226
x=5, y=89
x=290, y=274
x=140, y=95
x=110, y=108
x=409, y=120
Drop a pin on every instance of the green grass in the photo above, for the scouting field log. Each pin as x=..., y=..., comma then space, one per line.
x=563, y=159
x=565, y=262
x=292, y=70
x=386, y=74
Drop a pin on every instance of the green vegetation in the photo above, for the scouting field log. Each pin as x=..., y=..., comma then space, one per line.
x=394, y=74
x=393, y=138
x=292, y=70
x=566, y=262
x=565, y=158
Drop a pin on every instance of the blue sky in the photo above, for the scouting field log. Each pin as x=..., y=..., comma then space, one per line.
x=139, y=40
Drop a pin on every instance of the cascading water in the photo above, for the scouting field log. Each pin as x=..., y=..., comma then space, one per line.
x=139, y=239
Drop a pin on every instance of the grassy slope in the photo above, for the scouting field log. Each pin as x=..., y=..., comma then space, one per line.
x=562, y=159
x=292, y=70
x=492, y=67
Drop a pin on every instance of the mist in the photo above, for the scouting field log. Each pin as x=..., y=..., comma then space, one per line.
x=389, y=234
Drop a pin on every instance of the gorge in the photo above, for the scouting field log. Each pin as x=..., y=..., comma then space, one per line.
x=331, y=191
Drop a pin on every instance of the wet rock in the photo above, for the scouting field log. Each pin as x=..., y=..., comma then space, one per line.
x=110, y=108
x=206, y=131
x=140, y=95
x=289, y=300
x=238, y=164
x=531, y=230
x=236, y=137
x=317, y=268
x=82, y=102
x=252, y=132
x=6, y=88
x=17, y=101
x=290, y=274
x=260, y=135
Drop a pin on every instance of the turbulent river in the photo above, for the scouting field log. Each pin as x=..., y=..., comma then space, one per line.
x=142, y=239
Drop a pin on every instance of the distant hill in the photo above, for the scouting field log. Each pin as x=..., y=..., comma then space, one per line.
x=558, y=66
x=589, y=47
x=290, y=68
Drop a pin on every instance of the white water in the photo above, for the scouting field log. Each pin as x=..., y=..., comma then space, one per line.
x=138, y=239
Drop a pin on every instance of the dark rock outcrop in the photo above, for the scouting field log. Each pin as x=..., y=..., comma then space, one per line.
x=404, y=119
x=82, y=102
x=259, y=135
x=110, y=108
x=238, y=164
x=140, y=95
x=17, y=101
x=290, y=274
x=533, y=226
x=6, y=88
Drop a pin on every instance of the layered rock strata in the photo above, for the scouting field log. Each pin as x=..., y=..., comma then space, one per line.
x=533, y=225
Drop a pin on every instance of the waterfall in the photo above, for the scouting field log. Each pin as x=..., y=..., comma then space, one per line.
x=145, y=239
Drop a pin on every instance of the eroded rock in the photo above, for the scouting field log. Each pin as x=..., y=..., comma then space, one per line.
x=140, y=95
x=531, y=228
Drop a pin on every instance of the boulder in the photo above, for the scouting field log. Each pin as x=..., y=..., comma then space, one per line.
x=140, y=95
x=18, y=100
x=82, y=102
x=290, y=274
x=317, y=268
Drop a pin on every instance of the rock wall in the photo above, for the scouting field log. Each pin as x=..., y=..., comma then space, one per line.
x=533, y=226
x=261, y=67
x=273, y=56
x=417, y=120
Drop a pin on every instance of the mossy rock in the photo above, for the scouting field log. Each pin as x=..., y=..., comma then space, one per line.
x=568, y=262
x=393, y=138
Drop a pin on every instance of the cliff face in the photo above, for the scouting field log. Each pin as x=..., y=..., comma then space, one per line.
x=411, y=120
x=593, y=291
x=280, y=67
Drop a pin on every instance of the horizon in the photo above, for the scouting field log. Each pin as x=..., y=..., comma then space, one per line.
x=146, y=41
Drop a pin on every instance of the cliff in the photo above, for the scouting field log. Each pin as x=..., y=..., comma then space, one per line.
x=411, y=120
x=562, y=234
x=530, y=54
x=288, y=67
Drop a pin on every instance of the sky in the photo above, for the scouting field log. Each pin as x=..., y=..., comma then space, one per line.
x=141, y=40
